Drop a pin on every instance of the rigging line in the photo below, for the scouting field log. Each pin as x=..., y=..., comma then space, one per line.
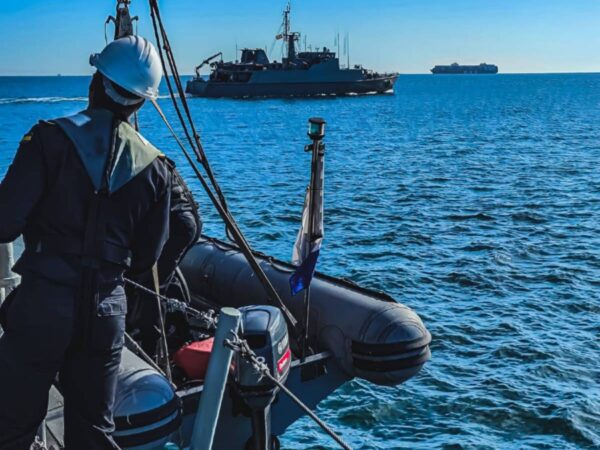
x=198, y=149
x=231, y=225
x=232, y=228
x=183, y=100
x=203, y=161
x=168, y=81
x=239, y=237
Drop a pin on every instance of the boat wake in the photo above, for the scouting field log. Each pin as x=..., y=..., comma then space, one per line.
x=16, y=101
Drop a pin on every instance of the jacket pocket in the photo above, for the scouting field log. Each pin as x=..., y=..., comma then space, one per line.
x=113, y=302
x=108, y=327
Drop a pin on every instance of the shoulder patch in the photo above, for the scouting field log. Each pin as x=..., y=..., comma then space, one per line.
x=27, y=138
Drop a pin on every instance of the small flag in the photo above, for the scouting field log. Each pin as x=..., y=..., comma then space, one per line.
x=306, y=250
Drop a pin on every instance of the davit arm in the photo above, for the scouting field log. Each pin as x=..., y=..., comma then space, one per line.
x=206, y=61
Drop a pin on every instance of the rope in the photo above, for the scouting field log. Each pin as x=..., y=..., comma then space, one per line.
x=134, y=347
x=174, y=305
x=241, y=347
x=182, y=98
x=219, y=203
x=229, y=221
x=230, y=224
x=164, y=345
x=194, y=143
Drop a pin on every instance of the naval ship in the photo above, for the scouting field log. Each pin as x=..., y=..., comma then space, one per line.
x=233, y=372
x=455, y=68
x=299, y=74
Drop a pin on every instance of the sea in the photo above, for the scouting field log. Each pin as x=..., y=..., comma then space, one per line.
x=475, y=200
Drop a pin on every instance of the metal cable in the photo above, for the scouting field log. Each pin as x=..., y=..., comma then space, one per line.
x=241, y=346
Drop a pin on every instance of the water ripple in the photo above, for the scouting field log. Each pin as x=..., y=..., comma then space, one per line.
x=473, y=200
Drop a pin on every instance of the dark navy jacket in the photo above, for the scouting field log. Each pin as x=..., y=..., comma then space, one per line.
x=46, y=195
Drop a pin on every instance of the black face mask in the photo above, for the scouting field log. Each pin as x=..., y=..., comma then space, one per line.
x=99, y=99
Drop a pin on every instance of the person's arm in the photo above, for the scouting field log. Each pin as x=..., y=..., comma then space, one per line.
x=152, y=234
x=22, y=187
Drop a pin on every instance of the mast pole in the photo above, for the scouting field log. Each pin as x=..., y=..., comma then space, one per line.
x=348, y=48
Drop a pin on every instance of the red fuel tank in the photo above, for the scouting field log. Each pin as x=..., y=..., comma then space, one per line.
x=193, y=358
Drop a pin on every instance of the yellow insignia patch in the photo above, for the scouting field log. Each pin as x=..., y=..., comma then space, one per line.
x=26, y=138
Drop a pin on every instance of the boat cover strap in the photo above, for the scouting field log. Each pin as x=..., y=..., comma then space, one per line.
x=148, y=435
x=148, y=417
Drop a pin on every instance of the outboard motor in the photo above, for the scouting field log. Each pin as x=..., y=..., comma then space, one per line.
x=265, y=330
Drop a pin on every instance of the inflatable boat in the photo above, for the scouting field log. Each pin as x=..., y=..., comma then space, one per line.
x=354, y=333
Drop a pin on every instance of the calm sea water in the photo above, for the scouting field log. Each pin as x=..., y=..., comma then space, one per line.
x=474, y=200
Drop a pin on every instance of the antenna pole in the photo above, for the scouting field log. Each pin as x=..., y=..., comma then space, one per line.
x=348, y=48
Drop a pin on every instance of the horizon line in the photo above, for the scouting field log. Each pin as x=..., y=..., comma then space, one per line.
x=60, y=75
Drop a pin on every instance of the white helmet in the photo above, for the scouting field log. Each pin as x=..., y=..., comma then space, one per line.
x=132, y=63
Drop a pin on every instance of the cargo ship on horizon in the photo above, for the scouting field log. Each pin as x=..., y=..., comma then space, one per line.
x=455, y=68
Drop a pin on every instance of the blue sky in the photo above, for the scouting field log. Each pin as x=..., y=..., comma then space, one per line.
x=46, y=37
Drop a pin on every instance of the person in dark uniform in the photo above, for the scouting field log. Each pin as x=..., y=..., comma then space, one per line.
x=91, y=198
x=185, y=228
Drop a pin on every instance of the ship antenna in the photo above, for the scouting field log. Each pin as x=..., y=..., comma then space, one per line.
x=286, y=26
x=348, y=48
x=289, y=37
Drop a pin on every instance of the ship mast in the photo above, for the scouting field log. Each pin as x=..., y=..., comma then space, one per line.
x=123, y=22
x=289, y=37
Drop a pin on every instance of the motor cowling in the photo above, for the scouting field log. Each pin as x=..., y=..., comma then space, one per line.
x=265, y=330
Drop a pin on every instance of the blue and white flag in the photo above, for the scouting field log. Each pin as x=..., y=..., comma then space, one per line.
x=306, y=249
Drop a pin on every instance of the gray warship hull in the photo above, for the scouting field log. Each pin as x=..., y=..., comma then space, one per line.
x=198, y=87
x=299, y=73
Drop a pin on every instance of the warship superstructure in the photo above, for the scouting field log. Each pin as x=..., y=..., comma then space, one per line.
x=299, y=74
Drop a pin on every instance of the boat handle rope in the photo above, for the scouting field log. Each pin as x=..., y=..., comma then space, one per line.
x=241, y=347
